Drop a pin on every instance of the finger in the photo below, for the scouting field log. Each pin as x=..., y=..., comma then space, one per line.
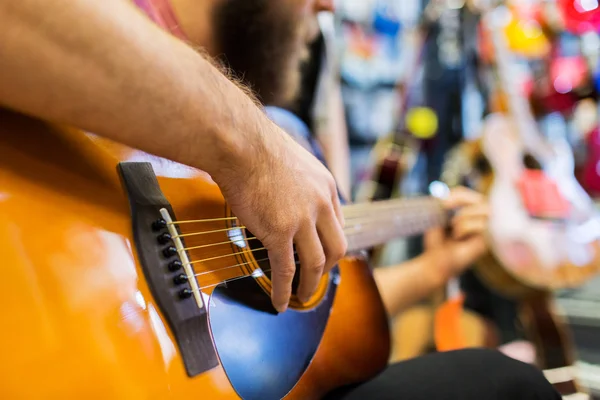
x=467, y=252
x=469, y=227
x=481, y=210
x=433, y=238
x=312, y=261
x=461, y=197
x=283, y=267
x=332, y=239
x=337, y=208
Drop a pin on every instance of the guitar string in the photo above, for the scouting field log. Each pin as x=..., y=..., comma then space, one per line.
x=239, y=276
x=217, y=244
x=356, y=221
x=231, y=266
x=239, y=253
x=232, y=279
x=236, y=278
x=410, y=203
x=197, y=274
x=229, y=255
x=352, y=226
x=370, y=221
x=347, y=229
x=236, y=265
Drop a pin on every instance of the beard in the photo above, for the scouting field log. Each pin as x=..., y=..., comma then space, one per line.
x=260, y=42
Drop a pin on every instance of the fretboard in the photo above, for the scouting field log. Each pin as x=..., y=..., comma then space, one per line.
x=376, y=223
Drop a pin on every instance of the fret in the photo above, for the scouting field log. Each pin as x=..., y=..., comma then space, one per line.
x=372, y=224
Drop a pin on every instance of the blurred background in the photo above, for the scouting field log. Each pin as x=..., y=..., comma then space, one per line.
x=416, y=78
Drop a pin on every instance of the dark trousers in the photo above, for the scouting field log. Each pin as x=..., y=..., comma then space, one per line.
x=471, y=374
x=501, y=311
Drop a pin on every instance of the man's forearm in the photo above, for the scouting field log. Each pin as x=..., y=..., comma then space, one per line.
x=403, y=285
x=103, y=67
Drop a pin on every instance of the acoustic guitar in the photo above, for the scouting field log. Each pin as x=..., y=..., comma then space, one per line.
x=128, y=277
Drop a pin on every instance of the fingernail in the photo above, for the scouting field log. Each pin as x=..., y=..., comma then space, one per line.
x=304, y=299
x=281, y=308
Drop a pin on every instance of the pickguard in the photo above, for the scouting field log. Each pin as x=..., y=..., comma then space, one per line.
x=264, y=353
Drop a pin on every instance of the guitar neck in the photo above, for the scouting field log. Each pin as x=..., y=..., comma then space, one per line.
x=518, y=105
x=373, y=224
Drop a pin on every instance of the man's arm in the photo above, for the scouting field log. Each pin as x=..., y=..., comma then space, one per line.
x=103, y=67
x=403, y=285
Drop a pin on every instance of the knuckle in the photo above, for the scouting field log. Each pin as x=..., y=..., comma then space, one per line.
x=324, y=206
x=342, y=249
x=317, y=264
x=332, y=184
x=306, y=221
x=284, y=228
x=274, y=241
x=337, y=253
x=286, y=272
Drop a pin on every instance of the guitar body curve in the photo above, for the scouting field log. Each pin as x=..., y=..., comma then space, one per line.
x=80, y=315
x=544, y=253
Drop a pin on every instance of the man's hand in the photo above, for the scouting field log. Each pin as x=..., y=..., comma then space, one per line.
x=285, y=196
x=465, y=243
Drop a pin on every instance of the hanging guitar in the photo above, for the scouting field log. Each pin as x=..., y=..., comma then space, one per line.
x=534, y=199
x=394, y=155
x=590, y=170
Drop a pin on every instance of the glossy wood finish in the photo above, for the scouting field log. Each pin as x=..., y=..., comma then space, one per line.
x=81, y=320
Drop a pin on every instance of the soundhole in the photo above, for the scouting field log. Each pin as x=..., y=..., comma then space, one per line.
x=262, y=259
x=256, y=257
x=482, y=165
x=530, y=162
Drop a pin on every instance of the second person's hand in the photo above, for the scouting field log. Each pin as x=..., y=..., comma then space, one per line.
x=456, y=251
